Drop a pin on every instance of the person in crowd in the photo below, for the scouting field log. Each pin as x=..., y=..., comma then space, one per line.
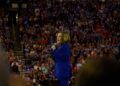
x=6, y=78
x=99, y=72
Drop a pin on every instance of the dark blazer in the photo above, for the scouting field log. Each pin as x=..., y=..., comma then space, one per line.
x=61, y=57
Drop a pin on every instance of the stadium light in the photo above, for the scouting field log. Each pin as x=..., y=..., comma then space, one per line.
x=24, y=5
x=15, y=5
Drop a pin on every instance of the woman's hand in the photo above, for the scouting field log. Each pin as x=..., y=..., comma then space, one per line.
x=53, y=47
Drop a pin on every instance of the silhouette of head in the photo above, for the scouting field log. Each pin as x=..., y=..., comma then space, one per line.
x=99, y=72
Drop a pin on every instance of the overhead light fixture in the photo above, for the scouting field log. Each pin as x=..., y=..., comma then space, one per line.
x=24, y=5
x=15, y=5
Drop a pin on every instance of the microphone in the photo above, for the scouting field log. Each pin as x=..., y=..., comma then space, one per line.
x=54, y=46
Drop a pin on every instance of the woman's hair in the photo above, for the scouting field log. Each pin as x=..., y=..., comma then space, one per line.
x=65, y=37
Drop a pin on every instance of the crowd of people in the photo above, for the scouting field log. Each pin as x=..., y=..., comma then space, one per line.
x=93, y=26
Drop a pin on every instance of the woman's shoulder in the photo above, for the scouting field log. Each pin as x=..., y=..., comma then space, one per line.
x=65, y=46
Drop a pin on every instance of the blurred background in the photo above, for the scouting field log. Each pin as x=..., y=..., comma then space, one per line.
x=28, y=29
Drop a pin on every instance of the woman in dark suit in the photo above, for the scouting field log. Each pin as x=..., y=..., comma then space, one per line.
x=61, y=55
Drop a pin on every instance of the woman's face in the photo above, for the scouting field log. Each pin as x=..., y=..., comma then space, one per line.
x=59, y=37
